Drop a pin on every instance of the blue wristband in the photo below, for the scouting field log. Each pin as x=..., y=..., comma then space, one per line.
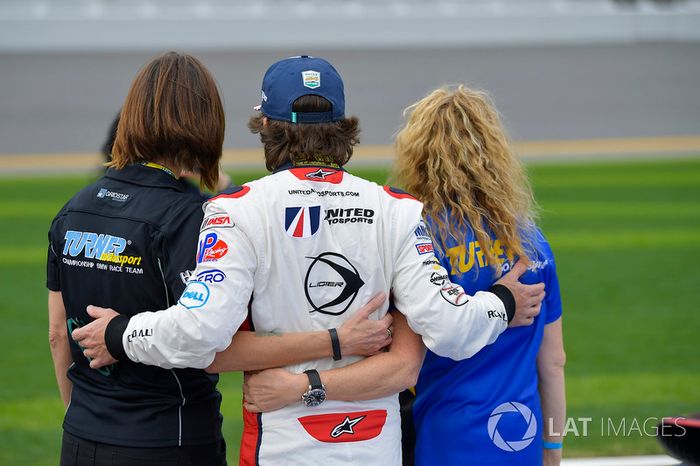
x=552, y=445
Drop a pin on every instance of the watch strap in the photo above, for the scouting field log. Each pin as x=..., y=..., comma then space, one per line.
x=335, y=343
x=314, y=378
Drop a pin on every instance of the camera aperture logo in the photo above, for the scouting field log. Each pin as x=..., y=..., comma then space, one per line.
x=529, y=419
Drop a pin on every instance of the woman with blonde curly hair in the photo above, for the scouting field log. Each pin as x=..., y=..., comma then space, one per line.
x=506, y=404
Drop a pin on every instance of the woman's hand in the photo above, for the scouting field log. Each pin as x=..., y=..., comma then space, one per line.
x=272, y=389
x=362, y=336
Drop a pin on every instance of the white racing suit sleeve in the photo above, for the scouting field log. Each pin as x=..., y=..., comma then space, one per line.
x=452, y=323
x=210, y=309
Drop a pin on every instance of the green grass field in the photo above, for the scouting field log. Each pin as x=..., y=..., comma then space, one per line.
x=627, y=240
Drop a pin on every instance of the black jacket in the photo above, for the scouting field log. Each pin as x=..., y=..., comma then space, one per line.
x=127, y=242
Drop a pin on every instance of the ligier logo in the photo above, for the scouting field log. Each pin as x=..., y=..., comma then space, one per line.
x=331, y=283
x=195, y=295
x=529, y=420
x=211, y=249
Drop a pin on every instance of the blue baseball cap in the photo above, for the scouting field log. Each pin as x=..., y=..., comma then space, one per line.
x=294, y=77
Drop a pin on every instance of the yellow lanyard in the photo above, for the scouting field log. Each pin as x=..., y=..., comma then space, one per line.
x=160, y=167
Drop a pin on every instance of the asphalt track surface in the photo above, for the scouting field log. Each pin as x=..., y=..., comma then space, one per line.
x=65, y=102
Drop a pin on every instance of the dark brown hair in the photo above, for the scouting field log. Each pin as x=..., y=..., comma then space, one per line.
x=172, y=114
x=325, y=143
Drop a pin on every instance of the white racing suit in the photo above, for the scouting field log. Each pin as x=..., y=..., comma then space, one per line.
x=303, y=249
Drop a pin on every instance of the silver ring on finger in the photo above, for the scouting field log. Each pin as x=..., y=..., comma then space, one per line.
x=389, y=332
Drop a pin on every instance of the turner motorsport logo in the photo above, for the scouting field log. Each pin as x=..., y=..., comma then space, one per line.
x=331, y=283
x=101, y=247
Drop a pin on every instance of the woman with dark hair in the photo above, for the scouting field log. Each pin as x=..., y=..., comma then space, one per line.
x=125, y=240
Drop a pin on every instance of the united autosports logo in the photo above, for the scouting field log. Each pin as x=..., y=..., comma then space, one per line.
x=331, y=283
x=302, y=222
x=516, y=413
x=211, y=248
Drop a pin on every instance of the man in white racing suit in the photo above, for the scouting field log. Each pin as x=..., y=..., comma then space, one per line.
x=301, y=250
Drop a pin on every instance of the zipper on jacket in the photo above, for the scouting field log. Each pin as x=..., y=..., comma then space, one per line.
x=165, y=285
x=179, y=410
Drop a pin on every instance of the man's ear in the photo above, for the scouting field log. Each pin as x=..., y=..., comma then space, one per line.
x=265, y=122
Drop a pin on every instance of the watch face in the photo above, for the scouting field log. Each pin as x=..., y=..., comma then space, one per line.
x=314, y=397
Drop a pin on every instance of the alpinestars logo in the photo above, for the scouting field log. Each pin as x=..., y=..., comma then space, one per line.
x=302, y=222
x=346, y=427
x=331, y=283
x=319, y=174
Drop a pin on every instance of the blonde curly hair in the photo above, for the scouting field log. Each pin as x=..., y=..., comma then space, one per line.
x=454, y=156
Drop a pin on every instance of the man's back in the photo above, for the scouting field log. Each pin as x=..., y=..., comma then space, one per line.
x=323, y=240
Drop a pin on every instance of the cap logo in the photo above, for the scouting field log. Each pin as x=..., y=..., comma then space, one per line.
x=311, y=79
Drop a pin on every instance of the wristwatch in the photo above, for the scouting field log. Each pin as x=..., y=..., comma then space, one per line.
x=316, y=394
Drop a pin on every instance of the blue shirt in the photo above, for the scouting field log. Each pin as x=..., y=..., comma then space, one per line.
x=485, y=410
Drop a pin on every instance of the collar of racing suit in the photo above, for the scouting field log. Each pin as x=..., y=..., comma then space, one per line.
x=290, y=165
x=143, y=175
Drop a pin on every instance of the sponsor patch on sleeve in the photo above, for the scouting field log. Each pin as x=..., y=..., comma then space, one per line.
x=211, y=248
x=196, y=295
x=422, y=232
x=424, y=248
x=218, y=220
x=454, y=294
